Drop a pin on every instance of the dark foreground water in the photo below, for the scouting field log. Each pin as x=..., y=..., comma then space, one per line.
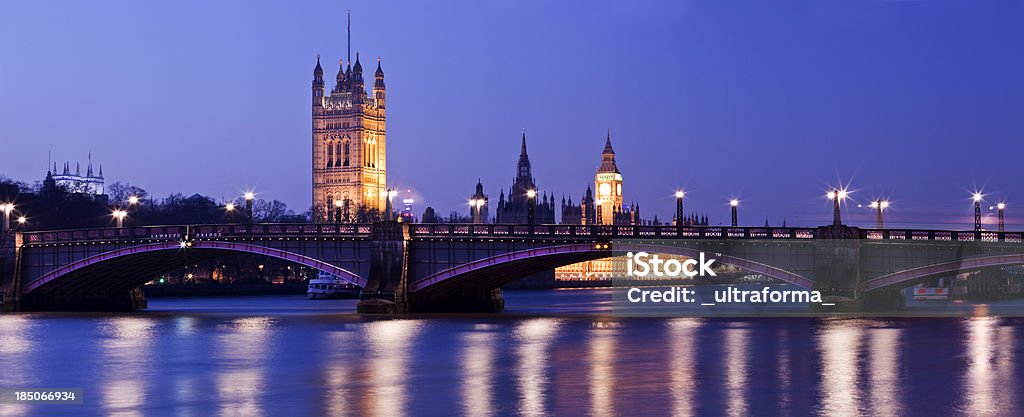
x=553, y=353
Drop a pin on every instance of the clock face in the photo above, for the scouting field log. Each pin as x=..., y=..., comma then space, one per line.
x=605, y=189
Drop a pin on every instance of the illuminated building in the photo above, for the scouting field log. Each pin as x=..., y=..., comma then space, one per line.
x=349, y=141
x=76, y=183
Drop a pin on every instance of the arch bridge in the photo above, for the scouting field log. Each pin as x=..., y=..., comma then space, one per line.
x=461, y=267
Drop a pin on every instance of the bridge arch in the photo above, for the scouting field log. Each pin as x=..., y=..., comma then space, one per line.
x=908, y=277
x=495, y=271
x=155, y=256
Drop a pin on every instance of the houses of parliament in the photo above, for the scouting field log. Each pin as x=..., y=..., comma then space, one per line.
x=349, y=142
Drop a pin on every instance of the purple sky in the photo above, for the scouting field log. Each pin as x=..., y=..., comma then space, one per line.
x=771, y=102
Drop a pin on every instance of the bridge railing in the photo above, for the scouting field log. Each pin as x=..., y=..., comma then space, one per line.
x=448, y=230
x=556, y=231
x=203, y=231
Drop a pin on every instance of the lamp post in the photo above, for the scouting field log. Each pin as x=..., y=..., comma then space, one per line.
x=249, y=197
x=735, y=206
x=531, y=206
x=22, y=222
x=679, y=209
x=836, y=195
x=7, y=209
x=977, y=197
x=119, y=215
x=880, y=206
x=133, y=205
x=1002, y=226
x=391, y=196
x=337, y=210
x=229, y=208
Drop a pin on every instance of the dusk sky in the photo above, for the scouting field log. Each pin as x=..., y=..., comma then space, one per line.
x=770, y=102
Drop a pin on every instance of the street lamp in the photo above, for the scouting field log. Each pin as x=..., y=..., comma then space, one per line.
x=249, y=197
x=1001, y=207
x=337, y=210
x=387, y=209
x=22, y=221
x=7, y=209
x=735, y=205
x=531, y=202
x=879, y=205
x=230, y=209
x=120, y=215
x=837, y=195
x=977, y=197
x=133, y=203
x=679, y=208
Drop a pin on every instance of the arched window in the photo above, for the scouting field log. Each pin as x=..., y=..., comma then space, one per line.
x=330, y=154
x=346, y=152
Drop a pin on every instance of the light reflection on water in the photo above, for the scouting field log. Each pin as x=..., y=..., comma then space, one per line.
x=194, y=364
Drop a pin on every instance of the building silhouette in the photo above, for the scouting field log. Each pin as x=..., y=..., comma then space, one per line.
x=515, y=208
x=349, y=142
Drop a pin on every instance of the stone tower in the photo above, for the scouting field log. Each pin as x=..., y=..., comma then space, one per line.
x=349, y=143
x=608, y=184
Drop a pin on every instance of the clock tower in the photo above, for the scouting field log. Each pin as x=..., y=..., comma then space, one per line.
x=608, y=184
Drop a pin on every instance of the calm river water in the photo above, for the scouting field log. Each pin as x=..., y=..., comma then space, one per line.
x=551, y=353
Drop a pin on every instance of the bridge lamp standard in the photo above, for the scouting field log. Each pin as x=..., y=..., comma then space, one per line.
x=735, y=204
x=7, y=208
x=837, y=195
x=1001, y=207
x=22, y=221
x=679, y=208
x=337, y=210
x=119, y=215
x=388, y=211
x=230, y=209
x=249, y=197
x=133, y=204
x=977, y=197
x=879, y=205
x=531, y=203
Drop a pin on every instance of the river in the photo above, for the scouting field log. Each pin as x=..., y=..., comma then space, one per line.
x=551, y=353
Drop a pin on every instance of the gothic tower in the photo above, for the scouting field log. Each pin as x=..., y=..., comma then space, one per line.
x=608, y=184
x=349, y=143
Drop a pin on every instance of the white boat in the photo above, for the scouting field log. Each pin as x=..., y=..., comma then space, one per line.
x=326, y=285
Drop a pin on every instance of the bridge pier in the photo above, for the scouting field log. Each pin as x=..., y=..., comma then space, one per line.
x=386, y=290
x=130, y=300
x=883, y=300
x=10, y=272
x=486, y=301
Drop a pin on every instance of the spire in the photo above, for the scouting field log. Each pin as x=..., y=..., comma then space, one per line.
x=88, y=169
x=349, y=32
x=318, y=71
x=522, y=152
x=608, y=156
x=380, y=72
x=101, y=171
x=78, y=169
